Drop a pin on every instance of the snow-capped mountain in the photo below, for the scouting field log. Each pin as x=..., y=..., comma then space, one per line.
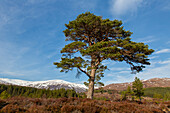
x=52, y=84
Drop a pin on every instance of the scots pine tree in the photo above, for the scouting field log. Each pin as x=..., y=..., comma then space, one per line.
x=93, y=40
x=137, y=87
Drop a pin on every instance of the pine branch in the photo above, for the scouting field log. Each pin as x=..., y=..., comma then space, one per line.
x=84, y=72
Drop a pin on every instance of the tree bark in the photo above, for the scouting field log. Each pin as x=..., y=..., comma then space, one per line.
x=91, y=84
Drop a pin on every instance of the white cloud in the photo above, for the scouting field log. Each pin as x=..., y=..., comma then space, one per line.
x=168, y=42
x=108, y=63
x=124, y=72
x=166, y=7
x=156, y=71
x=164, y=62
x=120, y=7
x=118, y=69
x=53, y=54
x=18, y=61
x=153, y=57
x=121, y=79
x=162, y=51
x=10, y=54
x=147, y=39
x=4, y=73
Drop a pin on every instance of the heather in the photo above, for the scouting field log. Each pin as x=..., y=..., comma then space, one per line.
x=78, y=105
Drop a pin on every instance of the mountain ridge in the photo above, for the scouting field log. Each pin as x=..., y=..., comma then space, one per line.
x=51, y=84
x=58, y=84
x=153, y=82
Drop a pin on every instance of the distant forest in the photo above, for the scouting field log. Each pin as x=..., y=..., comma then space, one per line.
x=158, y=92
x=7, y=91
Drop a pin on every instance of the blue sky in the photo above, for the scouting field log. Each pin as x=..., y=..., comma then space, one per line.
x=31, y=36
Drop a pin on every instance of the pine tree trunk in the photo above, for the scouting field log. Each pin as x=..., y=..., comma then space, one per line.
x=90, y=90
x=91, y=84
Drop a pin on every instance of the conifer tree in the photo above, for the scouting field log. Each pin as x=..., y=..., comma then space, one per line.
x=96, y=39
x=137, y=88
x=130, y=93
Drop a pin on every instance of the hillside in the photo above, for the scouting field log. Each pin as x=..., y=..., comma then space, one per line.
x=154, y=82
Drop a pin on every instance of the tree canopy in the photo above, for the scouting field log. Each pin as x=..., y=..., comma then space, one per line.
x=96, y=39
